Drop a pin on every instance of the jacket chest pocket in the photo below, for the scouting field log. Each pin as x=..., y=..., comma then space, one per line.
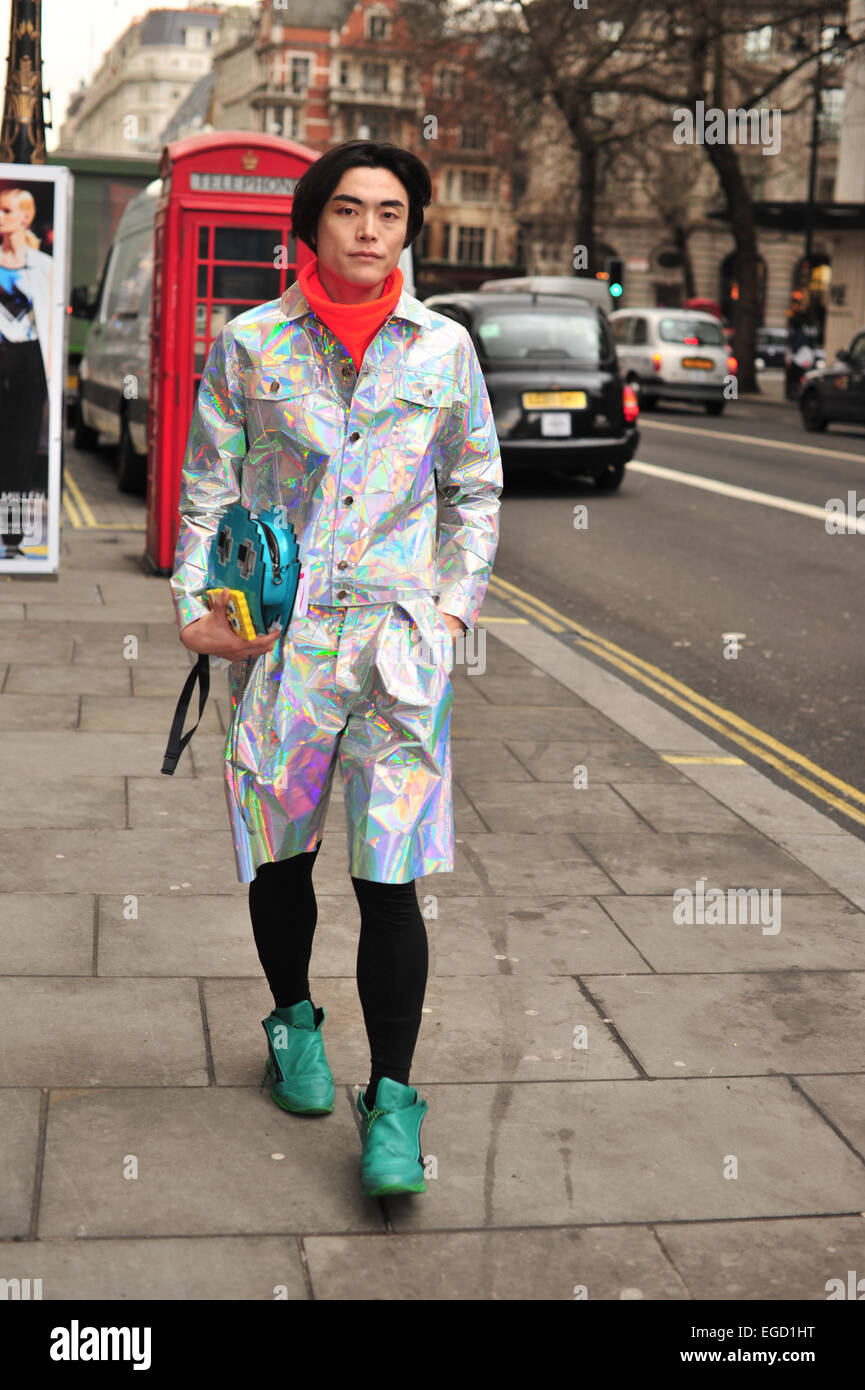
x=279, y=402
x=424, y=404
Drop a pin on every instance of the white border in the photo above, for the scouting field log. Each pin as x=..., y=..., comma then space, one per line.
x=61, y=178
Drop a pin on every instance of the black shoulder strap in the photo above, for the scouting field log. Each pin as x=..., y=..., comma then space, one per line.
x=201, y=673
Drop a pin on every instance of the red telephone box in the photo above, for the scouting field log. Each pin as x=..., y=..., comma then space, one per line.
x=222, y=215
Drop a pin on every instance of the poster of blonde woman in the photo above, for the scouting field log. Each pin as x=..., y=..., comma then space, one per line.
x=34, y=277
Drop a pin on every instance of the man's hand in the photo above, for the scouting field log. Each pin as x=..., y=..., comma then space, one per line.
x=456, y=626
x=214, y=635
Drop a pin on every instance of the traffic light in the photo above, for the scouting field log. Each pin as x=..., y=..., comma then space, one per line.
x=615, y=268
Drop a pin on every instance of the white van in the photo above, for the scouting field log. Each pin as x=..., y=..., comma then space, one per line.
x=114, y=372
x=673, y=355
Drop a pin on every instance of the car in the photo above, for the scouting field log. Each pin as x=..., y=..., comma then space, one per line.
x=550, y=367
x=770, y=348
x=673, y=355
x=585, y=287
x=835, y=390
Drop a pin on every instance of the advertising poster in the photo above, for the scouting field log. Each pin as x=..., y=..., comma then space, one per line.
x=35, y=204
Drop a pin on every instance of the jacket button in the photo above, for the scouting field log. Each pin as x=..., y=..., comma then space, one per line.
x=274, y=386
x=347, y=501
x=352, y=438
x=346, y=371
x=343, y=565
x=343, y=593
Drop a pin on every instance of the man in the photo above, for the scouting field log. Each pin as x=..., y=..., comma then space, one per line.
x=362, y=413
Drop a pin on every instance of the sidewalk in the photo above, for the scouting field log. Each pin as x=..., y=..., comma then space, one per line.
x=707, y=1141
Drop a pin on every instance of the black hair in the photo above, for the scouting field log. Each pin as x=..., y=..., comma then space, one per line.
x=323, y=176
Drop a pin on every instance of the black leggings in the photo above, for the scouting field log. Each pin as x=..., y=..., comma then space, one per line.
x=392, y=954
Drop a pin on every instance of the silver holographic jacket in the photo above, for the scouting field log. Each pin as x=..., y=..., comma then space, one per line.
x=391, y=476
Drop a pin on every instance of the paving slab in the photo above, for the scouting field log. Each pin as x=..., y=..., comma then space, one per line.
x=623, y=1262
x=67, y=680
x=738, y=1024
x=611, y=1151
x=72, y=1031
x=116, y=861
x=557, y=808
x=764, y=1260
x=156, y=608
x=47, y=933
x=488, y=1028
x=664, y=863
x=123, y=714
x=626, y=760
x=177, y=934
x=57, y=754
x=212, y=1160
x=24, y=646
x=817, y=933
x=171, y=805
x=38, y=801
x=198, y=1268
x=530, y=721
x=842, y=1100
x=680, y=808
x=26, y=712
x=543, y=863
x=20, y=1112
x=527, y=690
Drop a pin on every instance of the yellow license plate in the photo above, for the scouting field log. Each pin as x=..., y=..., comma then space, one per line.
x=554, y=400
x=703, y=362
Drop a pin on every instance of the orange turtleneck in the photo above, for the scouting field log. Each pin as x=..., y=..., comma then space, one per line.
x=355, y=325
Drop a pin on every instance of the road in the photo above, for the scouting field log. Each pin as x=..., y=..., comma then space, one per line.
x=665, y=569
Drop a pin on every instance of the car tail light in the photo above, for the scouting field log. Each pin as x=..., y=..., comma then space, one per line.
x=656, y=361
x=691, y=342
x=630, y=404
x=732, y=364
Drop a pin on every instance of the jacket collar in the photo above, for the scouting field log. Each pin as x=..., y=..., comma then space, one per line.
x=294, y=305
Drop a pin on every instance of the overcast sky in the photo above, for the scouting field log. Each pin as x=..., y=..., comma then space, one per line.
x=75, y=34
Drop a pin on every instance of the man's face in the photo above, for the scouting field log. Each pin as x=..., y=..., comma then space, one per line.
x=367, y=212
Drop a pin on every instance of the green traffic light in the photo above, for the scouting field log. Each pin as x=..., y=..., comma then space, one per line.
x=615, y=290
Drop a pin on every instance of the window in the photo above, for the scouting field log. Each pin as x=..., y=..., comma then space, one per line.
x=128, y=276
x=857, y=350
x=474, y=136
x=343, y=72
x=474, y=185
x=620, y=329
x=378, y=26
x=757, y=44
x=374, y=77
x=470, y=245
x=691, y=332
x=610, y=31
x=448, y=81
x=641, y=333
x=375, y=125
x=299, y=74
x=193, y=38
x=517, y=333
x=832, y=113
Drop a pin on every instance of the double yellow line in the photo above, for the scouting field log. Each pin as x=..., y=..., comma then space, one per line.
x=793, y=765
x=79, y=513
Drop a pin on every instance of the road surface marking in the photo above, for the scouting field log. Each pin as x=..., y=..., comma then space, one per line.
x=752, y=439
x=854, y=523
x=79, y=499
x=697, y=758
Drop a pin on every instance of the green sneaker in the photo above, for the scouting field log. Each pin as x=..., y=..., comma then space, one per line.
x=392, y=1161
x=301, y=1080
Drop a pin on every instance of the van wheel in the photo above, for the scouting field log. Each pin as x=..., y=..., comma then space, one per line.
x=715, y=407
x=611, y=478
x=83, y=437
x=131, y=467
